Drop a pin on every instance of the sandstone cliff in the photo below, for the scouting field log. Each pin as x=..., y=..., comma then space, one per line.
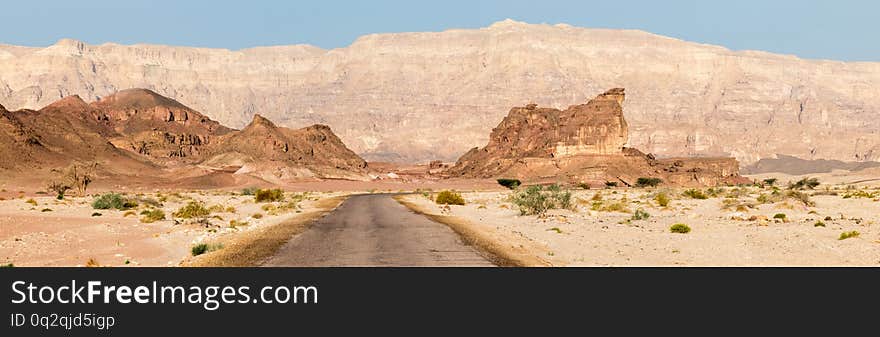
x=582, y=144
x=423, y=96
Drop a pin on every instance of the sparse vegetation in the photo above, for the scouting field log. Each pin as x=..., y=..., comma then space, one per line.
x=249, y=191
x=680, y=228
x=583, y=186
x=46, y=210
x=113, y=201
x=192, y=210
x=640, y=214
x=801, y=197
x=662, y=199
x=203, y=248
x=780, y=216
x=648, y=182
x=96, y=214
x=536, y=200
x=75, y=177
x=152, y=215
x=819, y=224
x=236, y=223
x=257, y=216
x=272, y=195
x=806, y=183
x=610, y=184
x=695, y=194
x=92, y=263
x=31, y=201
x=449, y=198
x=770, y=181
x=510, y=183
x=848, y=235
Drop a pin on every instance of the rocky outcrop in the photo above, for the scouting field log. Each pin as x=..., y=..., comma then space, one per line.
x=583, y=144
x=138, y=132
x=414, y=97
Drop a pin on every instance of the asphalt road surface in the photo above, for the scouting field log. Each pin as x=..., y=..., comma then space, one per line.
x=376, y=230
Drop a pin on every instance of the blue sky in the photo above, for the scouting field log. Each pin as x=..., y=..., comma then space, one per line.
x=840, y=30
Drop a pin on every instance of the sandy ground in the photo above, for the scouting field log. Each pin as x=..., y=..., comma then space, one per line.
x=719, y=237
x=65, y=233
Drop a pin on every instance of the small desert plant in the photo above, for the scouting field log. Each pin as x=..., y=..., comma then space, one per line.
x=203, y=248
x=91, y=263
x=801, y=197
x=770, y=181
x=236, y=223
x=31, y=201
x=583, y=185
x=193, y=209
x=597, y=196
x=59, y=189
x=113, y=201
x=610, y=184
x=648, y=182
x=272, y=195
x=819, y=224
x=449, y=198
x=848, y=235
x=640, y=214
x=662, y=199
x=249, y=191
x=780, y=216
x=509, y=183
x=97, y=214
x=695, y=194
x=46, y=210
x=806, y=183
x=680, y=228
x=536, y=200
x=8, y=265
x=152, y=215
x=257, y=216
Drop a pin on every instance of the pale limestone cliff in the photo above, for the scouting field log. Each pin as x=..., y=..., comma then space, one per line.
x=421, y=96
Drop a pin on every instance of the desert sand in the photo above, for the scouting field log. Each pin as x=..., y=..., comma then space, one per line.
x=809, y=236
x=49, y=232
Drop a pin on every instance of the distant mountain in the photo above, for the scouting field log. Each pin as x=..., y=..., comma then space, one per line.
x=422, y=96
x=140, y=131
x=797, y=166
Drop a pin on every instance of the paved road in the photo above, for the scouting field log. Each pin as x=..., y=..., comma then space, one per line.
x=376, y=230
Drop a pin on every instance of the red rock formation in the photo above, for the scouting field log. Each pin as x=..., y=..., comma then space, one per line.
x=584, y=143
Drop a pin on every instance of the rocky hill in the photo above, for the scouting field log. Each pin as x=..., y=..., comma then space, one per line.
x=139, y=131
x=582, y=144
x=423, y=96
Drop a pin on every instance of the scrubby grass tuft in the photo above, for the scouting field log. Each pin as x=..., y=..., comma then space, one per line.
x=193, y=209
x=640, y=214
x=695, y=194
x=249, y=191
x=91, y=263
x=806, y=183
x=449, y=198
x=113, y=201
x=536, y=200
x=680, y=228
x=648, y=182
x=32, y=202
x=509, y=183
x=848, y=235
x=662, y=199
x=203, y=248
x=780, y=216
x=819, y=224
x=152, y=215
x=273, y=195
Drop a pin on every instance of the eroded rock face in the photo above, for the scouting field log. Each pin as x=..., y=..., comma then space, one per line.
x=447, y=89
x=139, y=131
x=584, y=144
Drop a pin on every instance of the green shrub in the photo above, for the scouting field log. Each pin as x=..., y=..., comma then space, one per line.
x=449, y=198
x=152, y=215
x=780, y=216
x=193, y=209
x=847, y=235
x=695, y=194
x=536, y=200
x=640, y=214
x=770, y=181
x=202, y=248
x=272, y=195
x=113, y=201
x=806, y=183
x=509, y=183
x=249, y=191
x=819, y=224
x=648, y=182
x=680, y=228
x=662, y=199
